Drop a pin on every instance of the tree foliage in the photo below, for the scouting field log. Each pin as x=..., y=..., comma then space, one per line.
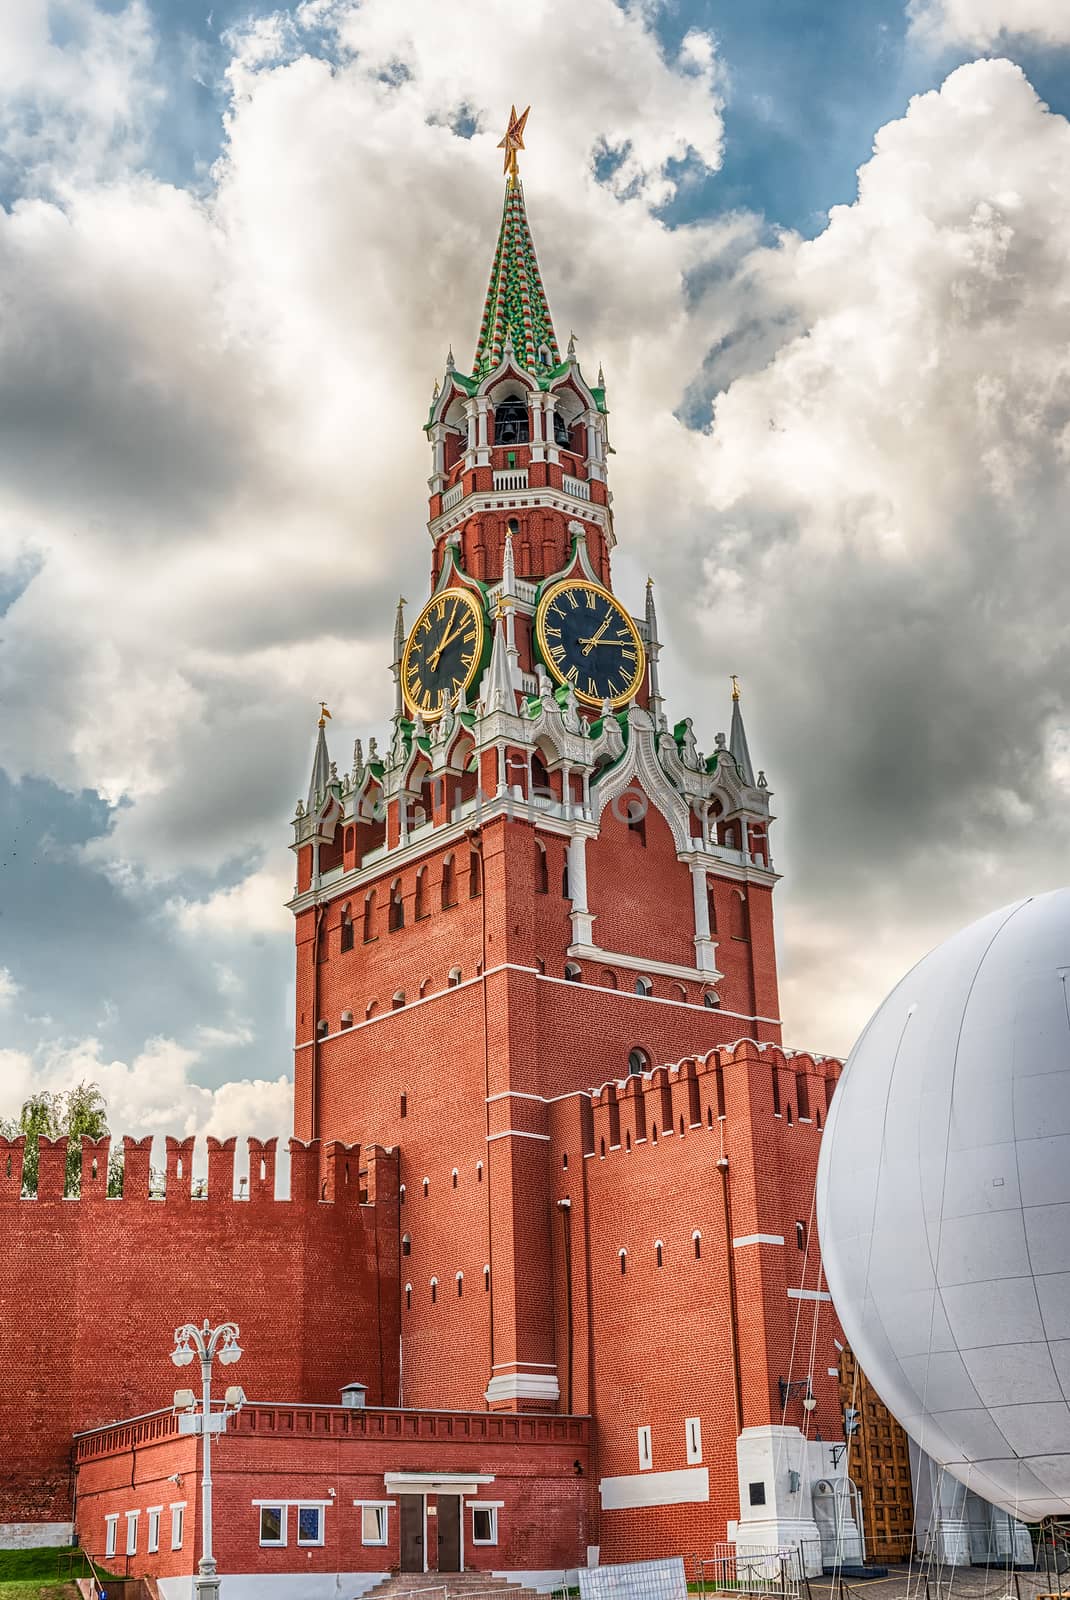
x=70, y=1114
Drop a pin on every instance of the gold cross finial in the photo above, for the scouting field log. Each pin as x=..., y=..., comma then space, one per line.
x=513, y=141
x=735, y=687
x=325, y=715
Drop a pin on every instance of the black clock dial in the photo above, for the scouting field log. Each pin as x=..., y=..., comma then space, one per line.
x=443, y=652
x=588, y=640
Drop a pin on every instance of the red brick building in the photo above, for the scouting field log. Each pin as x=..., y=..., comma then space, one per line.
x=553, y=1170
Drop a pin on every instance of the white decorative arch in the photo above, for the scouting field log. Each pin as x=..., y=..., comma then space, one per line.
x=639, y=765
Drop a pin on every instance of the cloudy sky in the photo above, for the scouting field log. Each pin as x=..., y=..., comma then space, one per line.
x=824, y=255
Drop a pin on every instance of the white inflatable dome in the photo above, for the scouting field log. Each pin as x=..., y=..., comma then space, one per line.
x=944, y=1205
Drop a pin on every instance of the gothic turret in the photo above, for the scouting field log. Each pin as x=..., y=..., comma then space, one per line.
x=321, y=764
x=737, y=739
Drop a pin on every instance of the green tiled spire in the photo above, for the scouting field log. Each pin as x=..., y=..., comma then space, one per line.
x=516, y=307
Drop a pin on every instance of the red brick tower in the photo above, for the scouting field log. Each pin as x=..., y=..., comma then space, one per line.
x=538, y=886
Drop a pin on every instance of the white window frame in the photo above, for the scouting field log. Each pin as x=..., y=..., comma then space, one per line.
x=319, y=1508
x=111, y=1534
x=152, y=1543
x=282, y=1508
x=382, y=1506
x=693, y=1440
x=491, y=1507
x=131, y=1532
x=177, y=1509
x=646, y=1448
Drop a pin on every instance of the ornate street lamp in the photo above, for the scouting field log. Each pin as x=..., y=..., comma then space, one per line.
x=206, y=1343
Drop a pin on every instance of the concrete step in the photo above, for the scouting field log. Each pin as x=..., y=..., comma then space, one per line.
x=447, y=1586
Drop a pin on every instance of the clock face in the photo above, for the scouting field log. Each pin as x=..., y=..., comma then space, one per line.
x=587, y=639
x=443, y=652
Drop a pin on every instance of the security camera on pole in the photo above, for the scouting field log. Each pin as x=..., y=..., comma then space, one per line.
x=207, y=1343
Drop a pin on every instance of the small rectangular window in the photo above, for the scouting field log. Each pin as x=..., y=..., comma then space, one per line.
x=693, y=1436
x=646, y=1459
x=154, y=1530
x=111, y=1525
x=310, y=1525
x=178, y=1525
x=373, y=1524
x=273, y=1525
x=131, y=1532
x=484, y=1524
x=757, y=1494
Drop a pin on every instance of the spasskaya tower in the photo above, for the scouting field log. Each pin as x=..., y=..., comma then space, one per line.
x=537, y=888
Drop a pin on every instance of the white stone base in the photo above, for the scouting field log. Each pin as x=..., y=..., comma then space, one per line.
x=35, y=1535
x=778, y=1458
x=280, y=1585
x=523, y=1386
x=331, y=1585
x=779, y=1533
x=948, y=1542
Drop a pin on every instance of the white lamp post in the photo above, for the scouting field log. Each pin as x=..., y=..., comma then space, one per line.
x=206, y=1343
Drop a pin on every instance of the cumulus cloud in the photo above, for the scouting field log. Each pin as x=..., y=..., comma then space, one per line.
x=256, y=904
x=77, y=94
x=984, y=24
x=8, y=987
x=887, y=490
x=845, y=459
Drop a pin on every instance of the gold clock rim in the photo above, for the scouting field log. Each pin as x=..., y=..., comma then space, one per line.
x=540, y=637
x=477, y=611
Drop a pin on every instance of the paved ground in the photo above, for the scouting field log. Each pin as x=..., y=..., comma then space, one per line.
x=944, y=1583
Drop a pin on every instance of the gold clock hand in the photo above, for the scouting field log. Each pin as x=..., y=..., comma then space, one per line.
x=432, y=661
x=590, y=643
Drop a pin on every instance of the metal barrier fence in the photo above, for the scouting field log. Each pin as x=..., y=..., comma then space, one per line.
x=635, y=1580
x=752, y=1570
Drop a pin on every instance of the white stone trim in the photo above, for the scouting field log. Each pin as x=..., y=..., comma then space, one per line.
x=517, y=1133
x=665, y=969
x=461, y=1483
x=809, y=1294
x=501, y=500
x=659, y=999
x=585, y=952
x=757, y=1238
x=523, y=1386
x=687, y=1486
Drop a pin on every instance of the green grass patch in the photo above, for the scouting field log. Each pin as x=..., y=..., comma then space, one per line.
x=39, y=1574
x=42, y=1563
x=33, y=1589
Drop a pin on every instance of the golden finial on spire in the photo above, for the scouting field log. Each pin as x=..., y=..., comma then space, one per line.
x=513, y=141
x=325, y=715
x=735, y=687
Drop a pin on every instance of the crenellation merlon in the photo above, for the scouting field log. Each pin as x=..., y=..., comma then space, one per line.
x=322, y=1172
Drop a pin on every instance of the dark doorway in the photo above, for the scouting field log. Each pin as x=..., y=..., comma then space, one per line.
x=449, y=1533
x=412, y=1533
